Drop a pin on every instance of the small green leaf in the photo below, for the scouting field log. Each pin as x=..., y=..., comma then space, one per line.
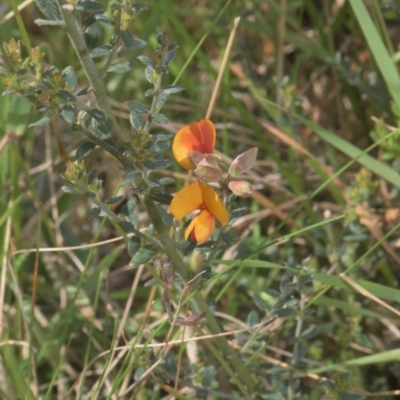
x=292, y=302
x=284, y=312
x=84, y=150
x=136, y=120
x=129, y=212
x=68, y=114
x=131, y=42
x=137, y=107
x=173, y=89
x=50, y=9
x=90, y=195
x=157, y=164
x=49, y=71
x=121, y=67
x=138, y=8
x=162, y=98
x=147, y=61
x=157, y=146
x=84, y=91
x=105, y=20
x=150, y=93
x=94, y=212
x=70, y=78
x=151, y=282
x=260, y=302
x=103, y=127
x=149, y=74
x=165, y=216
x=127, y=226
x=160, y=119
x=307, y=279
x=163, y=198
x=209, y=375
x=144, y=255
x=97, y=114
x=100, y=51
x=90, y=6
x=139, y=372
x=163, y=135
x=115, y=200
x=273, y=293
x=42, y=122
x=66, y=95
x=130, y=177
x=253, y=318
x=134, y=245
x=93, y=34
x=169, y=56
x=92, y=176
x=310, y=332
x=70, y=188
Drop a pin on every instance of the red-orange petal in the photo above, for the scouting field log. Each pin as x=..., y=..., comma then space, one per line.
x=214, y=204
x=197, y=136
x=187, y=200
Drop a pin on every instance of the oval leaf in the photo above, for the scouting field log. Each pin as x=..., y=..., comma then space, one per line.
x=65, y=95
x=137, y=107
x=173, y=89
x=160, y=119
x=42, y=122
x=121, y=67
x=243, y=162
x=70, y=78
x=100, y=51
x=144, y=255
x=84, y=149
x=133, y=245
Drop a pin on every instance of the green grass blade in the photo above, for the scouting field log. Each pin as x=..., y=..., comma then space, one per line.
x=378, y=49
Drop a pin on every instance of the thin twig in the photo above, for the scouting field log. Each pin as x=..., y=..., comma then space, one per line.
x=222, y=68
x=7, y=236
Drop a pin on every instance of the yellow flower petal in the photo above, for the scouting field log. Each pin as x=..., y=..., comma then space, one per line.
x=190, y=227
x=203, y=226
x=197, y=136
x=187, y=200
x=214, y=204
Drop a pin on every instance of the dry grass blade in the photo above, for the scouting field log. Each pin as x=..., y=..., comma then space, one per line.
x=367, y=294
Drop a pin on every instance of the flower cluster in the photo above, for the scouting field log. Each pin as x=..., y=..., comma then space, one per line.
x=193, y=148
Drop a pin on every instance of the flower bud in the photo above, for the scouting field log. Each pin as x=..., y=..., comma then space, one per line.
x=243, y=162
x=12, y=51
x=196, y=157
x=74, y=170
x=127, y=18
x=56, y=80
x=208, y=173
x=240, y=188
x=192, y=319
x=37, y=61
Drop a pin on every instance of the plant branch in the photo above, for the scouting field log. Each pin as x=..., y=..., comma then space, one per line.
x=76, y=35
x=198, y=303
x=101, y=143
x=114, y=218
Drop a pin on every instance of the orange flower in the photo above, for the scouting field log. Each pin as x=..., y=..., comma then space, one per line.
x=199, y=196
x=198, y=137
